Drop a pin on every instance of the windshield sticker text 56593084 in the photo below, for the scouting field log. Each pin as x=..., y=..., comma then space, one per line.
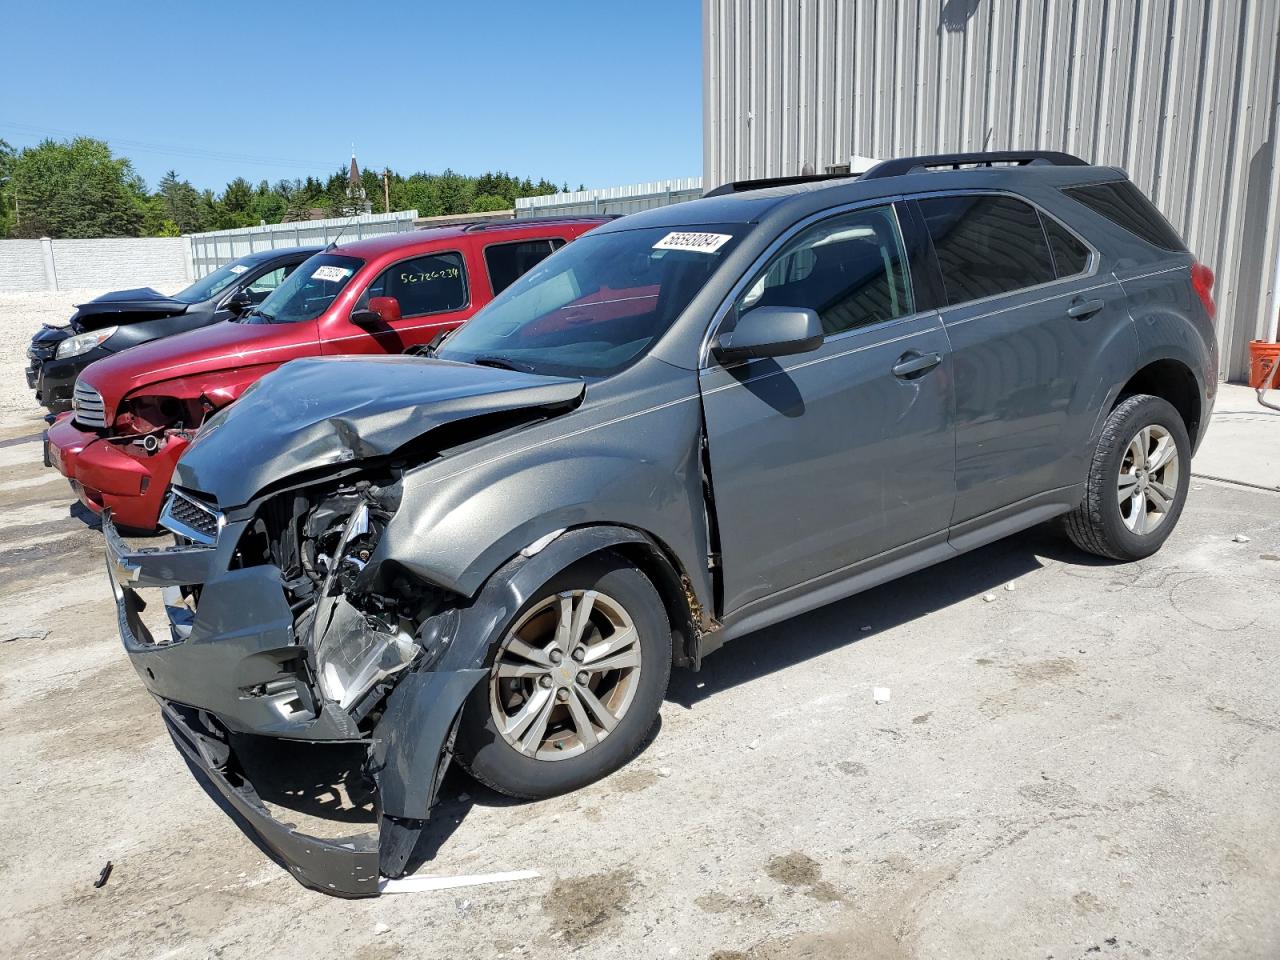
x=425, y=276
x=697, y=242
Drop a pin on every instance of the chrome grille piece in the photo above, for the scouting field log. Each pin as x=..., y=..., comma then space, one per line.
x=88, y=406
x=188, y=517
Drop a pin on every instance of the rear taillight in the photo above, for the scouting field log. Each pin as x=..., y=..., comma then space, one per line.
x=1202, y=283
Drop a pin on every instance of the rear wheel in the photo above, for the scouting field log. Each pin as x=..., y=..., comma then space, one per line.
x=574, y=683
x=1137, y=483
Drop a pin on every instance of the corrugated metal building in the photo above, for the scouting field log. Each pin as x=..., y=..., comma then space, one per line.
x=1183, y=94
x=616, y=200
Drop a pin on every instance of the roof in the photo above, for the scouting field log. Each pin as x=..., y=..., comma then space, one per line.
x=796, y=200
x=431, y=236
x=262, y=256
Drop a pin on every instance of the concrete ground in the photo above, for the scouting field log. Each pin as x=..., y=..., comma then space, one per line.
x=1079, y=759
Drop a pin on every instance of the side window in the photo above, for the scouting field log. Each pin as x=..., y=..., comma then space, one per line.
x=431, y=284
x=1125, y=205
x=263, y=287
x=987, y=245
x=507, y=262
x=851, y=269
x=1070, y=256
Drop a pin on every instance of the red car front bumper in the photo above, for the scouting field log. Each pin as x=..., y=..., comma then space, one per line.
x=119, y=475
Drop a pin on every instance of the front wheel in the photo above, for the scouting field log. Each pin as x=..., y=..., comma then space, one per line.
x=574, y=683
x=1137, y=484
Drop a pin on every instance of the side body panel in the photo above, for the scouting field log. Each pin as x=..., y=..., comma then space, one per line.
x=824, y=460
x=629, y=457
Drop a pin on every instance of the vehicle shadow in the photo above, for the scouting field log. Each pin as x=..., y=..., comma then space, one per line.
x=890, y=605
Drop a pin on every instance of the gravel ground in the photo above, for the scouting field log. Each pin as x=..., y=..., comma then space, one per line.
x=1079, y=759
x=21, y=314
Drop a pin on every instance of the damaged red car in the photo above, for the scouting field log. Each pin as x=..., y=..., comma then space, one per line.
x=134, y=413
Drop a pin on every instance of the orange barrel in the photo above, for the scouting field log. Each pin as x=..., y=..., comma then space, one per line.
x=1264, y=365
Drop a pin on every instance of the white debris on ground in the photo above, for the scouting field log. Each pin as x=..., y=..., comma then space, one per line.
x=1240, y=538
x=880, y=694
x=426, y=884
x=989, y=597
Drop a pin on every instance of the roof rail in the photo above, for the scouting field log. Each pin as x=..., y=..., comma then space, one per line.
x=534, y=221
x=739, y=186
x=904, y=165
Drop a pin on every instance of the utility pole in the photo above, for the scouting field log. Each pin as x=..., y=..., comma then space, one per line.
x=386, y=189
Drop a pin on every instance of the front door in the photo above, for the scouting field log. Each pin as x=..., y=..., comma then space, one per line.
x=433, y=293
x=827, y=459
x=1030, y=322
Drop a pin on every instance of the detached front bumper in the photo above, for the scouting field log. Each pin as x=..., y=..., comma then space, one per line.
x=120, y=477
x=228, y=663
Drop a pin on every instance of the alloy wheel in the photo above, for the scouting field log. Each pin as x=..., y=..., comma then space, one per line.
x=1147, y=486
x=565, y=675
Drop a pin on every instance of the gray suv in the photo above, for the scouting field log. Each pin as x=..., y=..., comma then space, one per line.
x=687, y=425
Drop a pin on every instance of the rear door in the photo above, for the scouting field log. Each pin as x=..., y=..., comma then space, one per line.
x=1030, y=319
x=827, y=459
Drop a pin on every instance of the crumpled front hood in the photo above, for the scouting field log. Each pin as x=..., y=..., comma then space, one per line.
x=316, y=412
x=104, y=310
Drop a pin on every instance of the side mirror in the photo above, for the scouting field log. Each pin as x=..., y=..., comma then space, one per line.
x=770, y=332
x=381, y=311
x=238, y=303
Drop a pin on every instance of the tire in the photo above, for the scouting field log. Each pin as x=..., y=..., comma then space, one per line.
x=530, y=764
x=1109, y=525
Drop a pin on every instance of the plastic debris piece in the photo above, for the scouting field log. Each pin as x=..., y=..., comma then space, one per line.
x=754, y=744
x=881, y=694
x=381, y=928
x=1240, y=538
x=31, y=633
x=427, y=884
x=989, y=597
x=1011, y=586
x=102, y=877
x=664, y=771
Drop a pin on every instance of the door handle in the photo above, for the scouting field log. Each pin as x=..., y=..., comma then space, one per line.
x=913, y=364
x=1084, y=309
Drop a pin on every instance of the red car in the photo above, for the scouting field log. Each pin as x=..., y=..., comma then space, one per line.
x=133, y=413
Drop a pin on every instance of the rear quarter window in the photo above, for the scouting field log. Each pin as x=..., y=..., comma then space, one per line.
x=1125, y=205
x=987, y=244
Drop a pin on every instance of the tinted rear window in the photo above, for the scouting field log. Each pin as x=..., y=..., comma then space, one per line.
x=987, y=245
x=1070, y=255
x=1124, y=205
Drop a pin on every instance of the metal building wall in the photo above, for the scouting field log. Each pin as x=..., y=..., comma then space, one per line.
x=1183, y=94
x=617, y=200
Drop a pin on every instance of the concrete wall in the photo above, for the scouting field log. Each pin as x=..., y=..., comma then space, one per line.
x=113, y=264
x=1183, y=94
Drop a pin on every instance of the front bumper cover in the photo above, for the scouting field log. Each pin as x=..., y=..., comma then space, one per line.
x=226, y=668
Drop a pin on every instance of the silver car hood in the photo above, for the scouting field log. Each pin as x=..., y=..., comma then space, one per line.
x=320, y=412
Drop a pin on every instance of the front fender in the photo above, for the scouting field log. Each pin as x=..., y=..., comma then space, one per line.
x=454, y=529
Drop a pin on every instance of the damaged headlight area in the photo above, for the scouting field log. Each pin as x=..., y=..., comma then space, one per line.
x=359, y=617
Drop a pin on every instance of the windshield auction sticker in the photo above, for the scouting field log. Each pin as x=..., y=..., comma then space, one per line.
x=697, y=242
x=332, y=274
x=238, y=268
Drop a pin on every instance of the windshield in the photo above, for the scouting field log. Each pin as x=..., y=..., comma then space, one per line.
x=308, y=291
x=595, y=306
x=212, y=284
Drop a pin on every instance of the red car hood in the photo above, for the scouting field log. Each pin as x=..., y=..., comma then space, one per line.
x=222, y=346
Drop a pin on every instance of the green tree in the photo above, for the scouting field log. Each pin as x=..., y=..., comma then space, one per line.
x=76, y=189
x=183, y=204
x=8, y=157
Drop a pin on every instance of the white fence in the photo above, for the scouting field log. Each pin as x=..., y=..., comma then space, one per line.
x=211, y=250
x=77, y=264
x=617, y=200
x=118, y=264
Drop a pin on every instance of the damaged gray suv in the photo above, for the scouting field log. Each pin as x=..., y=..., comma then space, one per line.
x=687, y=425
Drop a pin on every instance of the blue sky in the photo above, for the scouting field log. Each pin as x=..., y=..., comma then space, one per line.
x=599, y=93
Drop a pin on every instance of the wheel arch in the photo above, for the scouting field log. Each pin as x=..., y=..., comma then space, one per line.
x=1173, y=381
